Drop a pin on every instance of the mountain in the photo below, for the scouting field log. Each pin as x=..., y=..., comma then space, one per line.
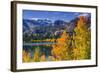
x=45, y=28
x=29, y=25
x=71, y=25
x=59, y=23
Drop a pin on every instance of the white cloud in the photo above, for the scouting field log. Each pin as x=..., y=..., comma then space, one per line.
x=84, y=14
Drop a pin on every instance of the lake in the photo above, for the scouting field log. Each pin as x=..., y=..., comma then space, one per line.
x=43, y=48
x=39, y=43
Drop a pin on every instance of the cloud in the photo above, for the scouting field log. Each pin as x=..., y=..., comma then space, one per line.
x=84, y=14
x=76, y=14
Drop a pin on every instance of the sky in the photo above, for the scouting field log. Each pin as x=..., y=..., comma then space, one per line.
x=51, y=15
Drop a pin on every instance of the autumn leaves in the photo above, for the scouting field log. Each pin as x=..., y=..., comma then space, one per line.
x=76, y=46
x=82, y=49
x=68, y=47
x=60, y=49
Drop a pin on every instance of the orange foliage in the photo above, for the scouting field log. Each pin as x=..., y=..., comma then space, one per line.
x=60, y=49
x=43, y=58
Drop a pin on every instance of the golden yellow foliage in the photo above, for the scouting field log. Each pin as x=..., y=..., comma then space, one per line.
x=82, y=40
x=36, y=55
x=26, y=56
